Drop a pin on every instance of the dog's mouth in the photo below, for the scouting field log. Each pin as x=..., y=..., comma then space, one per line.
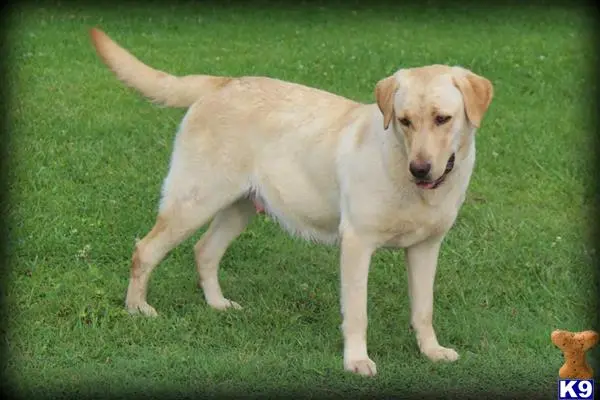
x=428, y=184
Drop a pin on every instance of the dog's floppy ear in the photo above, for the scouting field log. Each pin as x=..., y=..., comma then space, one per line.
x=384, y=93
x=477, y=94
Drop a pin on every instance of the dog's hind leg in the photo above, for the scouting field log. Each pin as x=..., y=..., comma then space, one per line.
x=178, y=218
x=225, y=227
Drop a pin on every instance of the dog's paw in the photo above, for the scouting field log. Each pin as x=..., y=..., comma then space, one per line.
x=224, y=304
x=440, y=353
x=142, y=308
x=365, y=367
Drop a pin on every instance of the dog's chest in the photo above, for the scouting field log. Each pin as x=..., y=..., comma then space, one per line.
x=406, y=218
x=416, y=223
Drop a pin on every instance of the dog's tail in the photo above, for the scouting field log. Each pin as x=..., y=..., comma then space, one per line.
x=159, y=86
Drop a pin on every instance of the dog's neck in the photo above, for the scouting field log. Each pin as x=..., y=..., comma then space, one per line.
x=466, y=144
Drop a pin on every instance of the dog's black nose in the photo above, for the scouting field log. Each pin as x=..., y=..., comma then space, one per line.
x=419, y=169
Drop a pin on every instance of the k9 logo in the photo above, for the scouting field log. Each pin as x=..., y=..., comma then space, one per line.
x=575, y=389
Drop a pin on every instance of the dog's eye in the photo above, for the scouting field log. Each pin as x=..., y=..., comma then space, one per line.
x=442, y=119
x=405, y=121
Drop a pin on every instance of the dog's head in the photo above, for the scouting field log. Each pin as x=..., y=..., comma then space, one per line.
x=430, y=109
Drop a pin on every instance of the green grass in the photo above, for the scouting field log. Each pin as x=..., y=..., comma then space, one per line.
x=87, y=158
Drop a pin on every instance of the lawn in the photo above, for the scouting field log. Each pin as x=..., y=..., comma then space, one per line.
x=87, y=159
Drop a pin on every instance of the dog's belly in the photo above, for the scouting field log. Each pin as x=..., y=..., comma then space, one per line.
x=319, y=225
x=304, y=207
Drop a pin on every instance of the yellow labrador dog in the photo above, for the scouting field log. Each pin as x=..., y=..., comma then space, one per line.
x=390, y=174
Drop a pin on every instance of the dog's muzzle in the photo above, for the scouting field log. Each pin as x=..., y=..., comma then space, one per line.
x=426, y=184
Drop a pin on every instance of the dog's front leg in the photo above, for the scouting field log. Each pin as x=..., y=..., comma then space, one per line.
x=421, y=262
x=355, y=260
